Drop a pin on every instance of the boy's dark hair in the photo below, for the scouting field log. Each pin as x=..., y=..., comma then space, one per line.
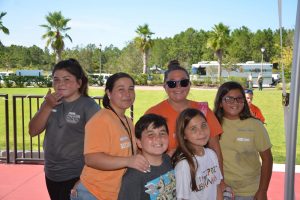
x=146, y=120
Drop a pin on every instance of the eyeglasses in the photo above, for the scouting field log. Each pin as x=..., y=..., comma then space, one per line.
x=182, y=83
x=231, y=100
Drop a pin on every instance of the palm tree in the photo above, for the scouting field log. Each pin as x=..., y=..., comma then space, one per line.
x=144, y=43
x=218, y=40
x=2, y=27
x=56, y=28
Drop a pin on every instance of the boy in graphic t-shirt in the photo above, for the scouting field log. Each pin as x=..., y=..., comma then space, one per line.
x=151, y=133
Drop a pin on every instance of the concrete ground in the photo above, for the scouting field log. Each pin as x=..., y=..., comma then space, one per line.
x=27, y=182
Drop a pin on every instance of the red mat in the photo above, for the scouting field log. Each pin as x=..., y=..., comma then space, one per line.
x=27, y=182
x=276, y=188
x=22, y=182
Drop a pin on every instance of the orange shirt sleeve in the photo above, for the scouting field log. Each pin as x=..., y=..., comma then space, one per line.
x=93, y=143
x=257, y=113
x=213, y=123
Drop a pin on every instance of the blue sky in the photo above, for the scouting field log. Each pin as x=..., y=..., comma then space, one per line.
x=115, y=21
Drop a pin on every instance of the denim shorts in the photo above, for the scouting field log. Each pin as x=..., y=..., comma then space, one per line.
x=81, y=193
x=243, y=198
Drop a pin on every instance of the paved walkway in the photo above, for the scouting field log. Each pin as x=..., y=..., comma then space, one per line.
x=26, y=182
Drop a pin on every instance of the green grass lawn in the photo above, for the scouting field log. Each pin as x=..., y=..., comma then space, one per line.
x=269, y=100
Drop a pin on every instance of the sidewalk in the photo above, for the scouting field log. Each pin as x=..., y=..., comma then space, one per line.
x=27, y=182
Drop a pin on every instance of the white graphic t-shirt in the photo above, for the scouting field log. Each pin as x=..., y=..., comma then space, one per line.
x=208, y=176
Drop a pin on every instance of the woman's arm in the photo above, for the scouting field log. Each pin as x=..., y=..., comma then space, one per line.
x=266, y=173
x=38, y=123
x=219, y=193
x=103, y=161
x=214, y=144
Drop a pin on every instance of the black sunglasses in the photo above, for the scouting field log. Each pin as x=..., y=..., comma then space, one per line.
x=182, y=83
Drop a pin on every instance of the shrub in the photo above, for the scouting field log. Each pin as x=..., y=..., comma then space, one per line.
x=279, y=86
x=155, y=79
x=197, y=82
x=240, y=80
x=8, y=82
x=140, y=79
x=207, y=81
x=42, y=81
x=19, y=81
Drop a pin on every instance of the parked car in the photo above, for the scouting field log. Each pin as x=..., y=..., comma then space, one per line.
x=3, y=74
x=275, y=79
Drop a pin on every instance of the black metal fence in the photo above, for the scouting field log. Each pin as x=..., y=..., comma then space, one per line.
x=4, y=134
x=26, y=149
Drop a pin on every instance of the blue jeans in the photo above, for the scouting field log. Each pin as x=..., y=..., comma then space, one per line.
x=243, y=198
x=82, y=194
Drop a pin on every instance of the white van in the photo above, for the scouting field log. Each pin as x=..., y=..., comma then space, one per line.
x=2, y=74
x=104, y=76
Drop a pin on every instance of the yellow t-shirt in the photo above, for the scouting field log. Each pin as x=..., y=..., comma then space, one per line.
x=241, y=142
x=105, y=133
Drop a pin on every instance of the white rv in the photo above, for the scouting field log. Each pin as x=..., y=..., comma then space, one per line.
x=210, y=69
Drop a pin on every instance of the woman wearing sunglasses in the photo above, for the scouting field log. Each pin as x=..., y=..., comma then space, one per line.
x=177, y=85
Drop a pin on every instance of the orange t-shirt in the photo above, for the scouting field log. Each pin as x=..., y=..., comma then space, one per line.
x=105, y=133
x=166, y=110
x=255, y=111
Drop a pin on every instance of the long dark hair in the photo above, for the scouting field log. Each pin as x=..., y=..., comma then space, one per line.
x=222, y=91
x=73, y=67
x=110, y=83
x=185, y=150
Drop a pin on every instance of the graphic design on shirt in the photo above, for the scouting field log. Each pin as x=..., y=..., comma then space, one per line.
x=203, y=107
x=163, y=187
x=124, y=142
x=207, y=177
x=72, y=118
x=240, y=139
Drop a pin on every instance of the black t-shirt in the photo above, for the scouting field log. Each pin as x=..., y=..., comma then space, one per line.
x=157, y=184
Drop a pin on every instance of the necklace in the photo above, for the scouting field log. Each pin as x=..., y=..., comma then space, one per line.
x=127, y=128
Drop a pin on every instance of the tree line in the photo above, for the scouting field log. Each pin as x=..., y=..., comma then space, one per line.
x=188, y=47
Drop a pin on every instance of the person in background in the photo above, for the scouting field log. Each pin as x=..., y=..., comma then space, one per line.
x=197, y=171
x=255, y=111
x=63, y=115
x=260, y=81
x=250, y=81
x=245, y=144
x=109, y=146
x=177, y=85
x=151, y=132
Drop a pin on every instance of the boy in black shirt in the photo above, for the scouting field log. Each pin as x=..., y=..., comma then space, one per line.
x=151, y=132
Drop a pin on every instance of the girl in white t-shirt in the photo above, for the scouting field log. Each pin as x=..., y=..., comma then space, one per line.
x=197, y=170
